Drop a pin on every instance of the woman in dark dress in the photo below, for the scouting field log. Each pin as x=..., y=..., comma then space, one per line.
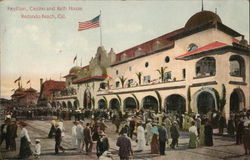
x=25, y=150
x=208, y=134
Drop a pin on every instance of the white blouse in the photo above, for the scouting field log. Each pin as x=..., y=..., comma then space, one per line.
x=23, y=133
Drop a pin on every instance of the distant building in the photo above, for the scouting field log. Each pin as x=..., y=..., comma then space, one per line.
x=48, y=91
x=203, y=66
x=25, y=97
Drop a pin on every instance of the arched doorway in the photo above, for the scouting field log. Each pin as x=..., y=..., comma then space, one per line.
x=87, y=99
x=151, y=103
x=205, y=102
x=76, y=104
x=114, y=104
x=175, y=103
x=129, y=103
x=70, y=105
x=237, y=100
x=102, y=104
x=64, y=104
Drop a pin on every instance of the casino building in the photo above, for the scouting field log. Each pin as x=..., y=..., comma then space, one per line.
x=203, y=66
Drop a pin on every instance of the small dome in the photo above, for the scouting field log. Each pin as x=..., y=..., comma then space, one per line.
x=202, y=18
x=75, y=69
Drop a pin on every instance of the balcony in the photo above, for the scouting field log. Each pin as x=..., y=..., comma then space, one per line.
x=152, y=86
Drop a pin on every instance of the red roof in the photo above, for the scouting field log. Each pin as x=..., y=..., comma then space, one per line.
x=50, y=85
x=147, y=47
x=90, y=78
x=235, y=40
x=208, y=47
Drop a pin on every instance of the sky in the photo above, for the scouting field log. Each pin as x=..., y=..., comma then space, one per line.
x=33, y=46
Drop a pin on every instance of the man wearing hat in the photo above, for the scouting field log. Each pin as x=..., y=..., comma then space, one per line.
x=174, y=134
x=102, y=144
x=58, y=139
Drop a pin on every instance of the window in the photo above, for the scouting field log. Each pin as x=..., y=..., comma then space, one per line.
x=192, y=47
x=167, y=59
x=130, y=68
x=130, y=82
x=167, y=75
x=206, y=67
x=146, y=79
x=117, y=84
x=117, y=72
x=183, y=73
x=237, y=66
x=103, y=85
x=146, y=64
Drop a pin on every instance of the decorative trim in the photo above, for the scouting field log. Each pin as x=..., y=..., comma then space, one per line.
x=204, y=84
x=62, y=98
x=144, y=90
x=238, y=83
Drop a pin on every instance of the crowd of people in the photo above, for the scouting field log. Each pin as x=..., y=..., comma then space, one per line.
x=144, y=127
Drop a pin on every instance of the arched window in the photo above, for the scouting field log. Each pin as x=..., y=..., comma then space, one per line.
x=237, y=66
x=206, y=67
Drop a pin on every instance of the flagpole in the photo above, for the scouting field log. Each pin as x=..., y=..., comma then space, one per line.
x=100, y=28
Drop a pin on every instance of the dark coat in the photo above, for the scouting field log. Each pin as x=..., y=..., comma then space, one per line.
x=162, y=134
x=174, y=132
x=208, y=131
x=87, y=135
x=58, y=135
x=102, y=146
x=125, y=147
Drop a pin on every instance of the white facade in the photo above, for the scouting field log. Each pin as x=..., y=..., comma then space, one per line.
x=193, y=77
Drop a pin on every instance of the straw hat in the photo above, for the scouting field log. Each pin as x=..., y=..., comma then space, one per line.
x=102, y=134
x=37, y=140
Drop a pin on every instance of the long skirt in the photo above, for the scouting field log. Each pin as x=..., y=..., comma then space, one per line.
x=155, y=147
x=193, y=141
x=25, y=150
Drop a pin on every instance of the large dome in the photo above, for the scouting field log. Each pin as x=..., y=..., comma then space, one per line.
x=75, y=69
x=202, y=18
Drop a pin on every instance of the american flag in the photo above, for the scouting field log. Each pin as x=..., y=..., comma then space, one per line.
x=93, y=23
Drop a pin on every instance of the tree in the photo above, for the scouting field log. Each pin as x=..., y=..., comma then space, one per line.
x=139, y=75
x=189, y=100
x=223, y=98
x=161, y=71
x=122, y=79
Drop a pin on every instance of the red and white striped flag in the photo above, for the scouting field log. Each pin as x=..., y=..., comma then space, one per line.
x=93, y=23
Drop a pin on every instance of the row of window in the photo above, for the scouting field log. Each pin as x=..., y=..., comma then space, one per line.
x=204, y=68
x=167, y=59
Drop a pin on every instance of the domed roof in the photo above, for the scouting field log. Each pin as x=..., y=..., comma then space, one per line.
x=75, y=69
x=202, y=18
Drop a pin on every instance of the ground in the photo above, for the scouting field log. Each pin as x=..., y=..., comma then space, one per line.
x=224, y=146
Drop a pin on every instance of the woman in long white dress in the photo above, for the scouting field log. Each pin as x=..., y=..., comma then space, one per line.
x=25, y=150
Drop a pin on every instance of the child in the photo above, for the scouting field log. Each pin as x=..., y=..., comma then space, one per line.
x=37, y=151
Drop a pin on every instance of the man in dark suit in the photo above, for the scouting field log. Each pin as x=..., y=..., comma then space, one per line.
x=4, y=133
x=162, y=139
x=88, y=138
x=58, y=139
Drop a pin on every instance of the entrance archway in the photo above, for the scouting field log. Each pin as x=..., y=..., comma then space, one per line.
x=70, y=105
x=175, y=103
x=205, y=102
x=237, y=100
x=151, y=103
x=129, y=103
x=64, y=104
x=76, y=104
x=114, y=104
x=102, y=104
